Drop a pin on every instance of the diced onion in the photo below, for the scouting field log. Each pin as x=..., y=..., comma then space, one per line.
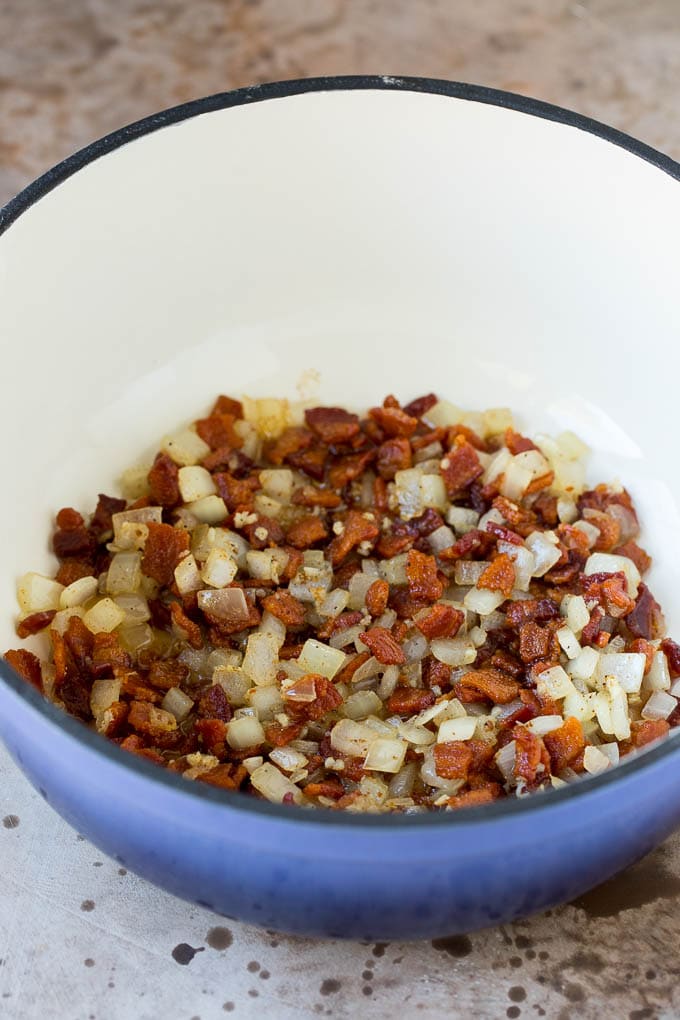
x=271, y=624
x=187, y=575
x=246, y=731
x=585, y=665
x=288, y=759
x=103, y=694
x=210, y=509
x=573, y=608
x=219, y=569
x=185, y=447
x=226, y=604
x=385, y=755
x=234, y=682
x=266, y=701
x=103, y=617
x=589, y=530
x=124, y=574
x=273, y=785
x=38, y=594
x=462, y=728
x=627, y=667
x=543, y=724
x=177, y=703
x=594, y=761
x=658, y=678
x=546, y=554
x=554, y=683
x=334, y=602
x=481, y=601
x=144, y=515
x=441, y=538
x=261, y=658
x=361, y=704
x=659, y=706
x=78, y=592
x=453, y=651
x=394, y=570
x=568, y=642
x=469, y=571
x=358, y=586
x=353, y=738
x=505, y=761
x=343, y=638
x=195, y=483
x=462, y=519
x=277, y=483
x=317, y=657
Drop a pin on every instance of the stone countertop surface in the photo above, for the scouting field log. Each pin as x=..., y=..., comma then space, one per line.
x=81, y=938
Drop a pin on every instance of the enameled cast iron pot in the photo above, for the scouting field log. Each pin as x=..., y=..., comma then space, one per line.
x=391, y=235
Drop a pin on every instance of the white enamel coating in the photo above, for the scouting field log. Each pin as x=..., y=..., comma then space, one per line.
x=388, y=241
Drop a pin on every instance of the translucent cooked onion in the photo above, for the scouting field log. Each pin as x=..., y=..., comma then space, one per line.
x=361, y=704
x=658, y=678
x=468, y=572
x=608, y=563
x=334, y=603
x=441, y=538
x=481, y=601
x=226, y=604
x=394, y=570
x=505, y=761
x=142, y=516
x=415, y=648
x=78, y=592
x=346, y=637
x=124, y=575
x=103, y=694
x=385, y=754
x=659, y=706
x=401, y=785
x=177, y=703
x=233, y=682
x=453, y=651
x=274, y=786
x=246, y=731
x=38, y=594
x=354, y=738
x=627, y=667
x=317, y=657
x=261, y=659
x=266, y=701
x=543, y=545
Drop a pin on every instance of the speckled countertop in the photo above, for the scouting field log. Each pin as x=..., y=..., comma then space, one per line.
x=82, y=939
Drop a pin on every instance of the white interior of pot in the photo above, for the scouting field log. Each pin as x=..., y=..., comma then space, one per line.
x=388, y=241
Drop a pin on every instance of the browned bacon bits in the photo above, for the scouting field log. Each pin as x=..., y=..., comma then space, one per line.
x=413, y=609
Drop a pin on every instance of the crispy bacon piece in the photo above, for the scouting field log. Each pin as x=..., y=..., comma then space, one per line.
x=237, y=493
x=436, y=673
x=499, y=575
x=346, y=469
x=101, y=525
x=672, y=652
x=213, y=704
x=521, y=520
x=333, y=425
x=423, y=579
x=475, y=798
x=337, y=623
x=227, y=776
x=285, y=607
x=358, y=527
x=310, y=495
x=460, y=467
x=193, y=632
x=545, y=506
x=393, y=421
x=346, y=672
x=108, y=655
x=421, y=405
x=326, y=698
x=537, y=643
x=474, y=545
x=393, y=455
x=489, y=684
x=264, y=532
x=146, y=718
x=27, y=665
x=73, y=569
x=167, y=673
x=163, y=551
x=565, y=743
x=164, y=481
x=279, y=736
x=452, y=759
x=71, y=537
x=646, y=732
x=634, y=552
x=306, y=532
x=504, y=534
x=540, y=610
x=530, y=755
x=218, y=431
x=34, y=623
x=377, y=596
x=517, y=443
x=409, y=700
x=611, y=590
x=440, y=621
x=383, y=646
x=646, y=619
x=331, y=788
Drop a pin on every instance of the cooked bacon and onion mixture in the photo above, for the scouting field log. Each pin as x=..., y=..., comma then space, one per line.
x=417, y=609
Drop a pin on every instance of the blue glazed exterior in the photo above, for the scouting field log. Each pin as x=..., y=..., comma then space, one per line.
x=314, y=874
x=324, y=873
